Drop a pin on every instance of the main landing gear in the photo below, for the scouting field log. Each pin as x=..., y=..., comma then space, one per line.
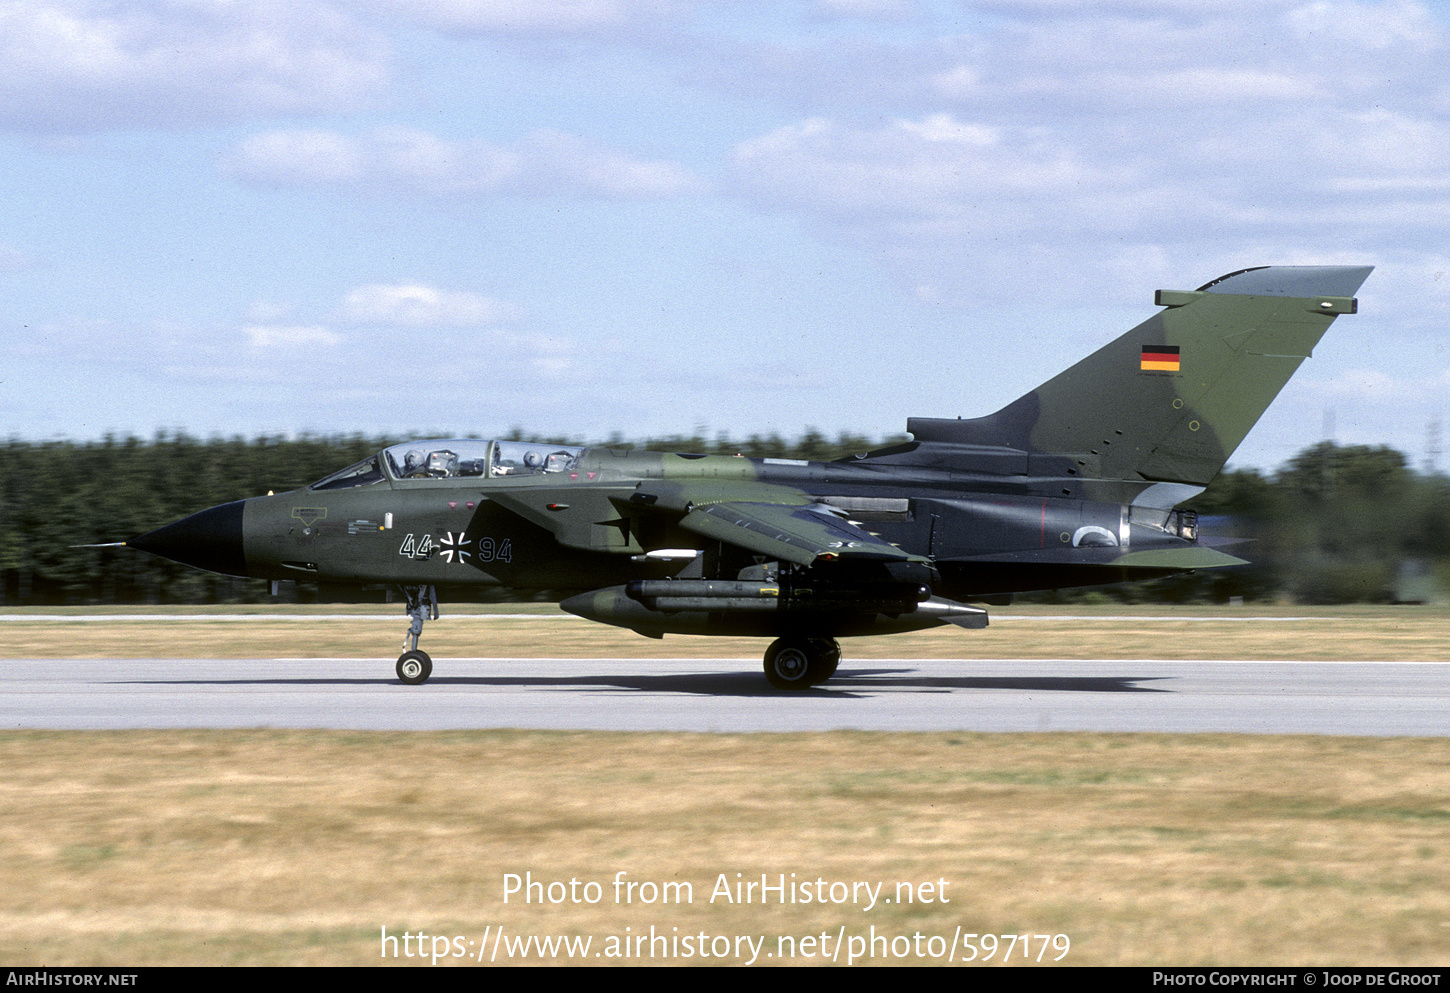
x=800, y=663
x=414, y=666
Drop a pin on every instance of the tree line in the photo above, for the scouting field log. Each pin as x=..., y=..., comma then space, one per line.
x=1335, y=524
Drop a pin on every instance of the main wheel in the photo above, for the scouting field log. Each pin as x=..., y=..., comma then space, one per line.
x=799, y=663
x=830, y=655
x=414, y=667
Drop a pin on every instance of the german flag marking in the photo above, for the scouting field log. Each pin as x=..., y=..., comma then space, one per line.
x=1159, y=358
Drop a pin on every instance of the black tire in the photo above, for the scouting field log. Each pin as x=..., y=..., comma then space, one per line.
x=792, y=663
x=830, y=658
x=414, y=667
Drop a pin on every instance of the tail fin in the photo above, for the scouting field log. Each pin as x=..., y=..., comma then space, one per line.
x=1170, y=400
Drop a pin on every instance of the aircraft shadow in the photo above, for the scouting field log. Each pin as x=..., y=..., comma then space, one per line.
x=846, y=684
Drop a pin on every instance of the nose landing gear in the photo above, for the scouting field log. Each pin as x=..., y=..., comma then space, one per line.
x=414, y=666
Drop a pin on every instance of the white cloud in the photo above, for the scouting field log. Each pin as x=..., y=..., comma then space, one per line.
x=1085, y=136
x=1122, y=8
x=882, y=9
x=525, y=16
x=1205, y=87
x=934, y=169
x=566, y=161
x=290, y=337
x=416, y=305
x=288, y=158
x=1398, y=24
x=389, y=160
x=945, y=128
x=78, y=65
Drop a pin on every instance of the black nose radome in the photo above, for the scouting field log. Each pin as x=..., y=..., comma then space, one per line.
x=210, y=539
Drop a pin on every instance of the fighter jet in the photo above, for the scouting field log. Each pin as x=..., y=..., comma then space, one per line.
x=1076, y=483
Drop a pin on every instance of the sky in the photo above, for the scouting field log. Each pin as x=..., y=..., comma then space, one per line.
x=586, y=218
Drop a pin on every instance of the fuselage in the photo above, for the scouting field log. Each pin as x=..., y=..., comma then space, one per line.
x=471, y=514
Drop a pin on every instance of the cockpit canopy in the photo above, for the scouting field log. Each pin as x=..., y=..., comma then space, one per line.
x=453, y=458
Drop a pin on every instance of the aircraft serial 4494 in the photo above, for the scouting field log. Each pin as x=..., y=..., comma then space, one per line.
x=1074, y=484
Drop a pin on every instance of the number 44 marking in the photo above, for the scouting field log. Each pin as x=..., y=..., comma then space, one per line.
x=416, y=549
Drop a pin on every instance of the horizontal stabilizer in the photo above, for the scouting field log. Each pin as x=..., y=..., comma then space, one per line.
x=1181, y=558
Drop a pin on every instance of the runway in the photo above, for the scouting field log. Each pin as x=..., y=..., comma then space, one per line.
x=730, y=695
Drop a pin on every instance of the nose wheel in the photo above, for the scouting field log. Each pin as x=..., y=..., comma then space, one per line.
x=800, y=663
x=414, y=666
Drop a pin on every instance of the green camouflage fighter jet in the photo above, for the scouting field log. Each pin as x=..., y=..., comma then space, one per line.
x=1074, y=484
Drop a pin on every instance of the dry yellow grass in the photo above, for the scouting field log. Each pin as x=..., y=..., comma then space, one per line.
x=1404, y=634
x=278, y=847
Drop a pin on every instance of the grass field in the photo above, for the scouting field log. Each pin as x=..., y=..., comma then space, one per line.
x=300, y=847
x=1402, y=634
